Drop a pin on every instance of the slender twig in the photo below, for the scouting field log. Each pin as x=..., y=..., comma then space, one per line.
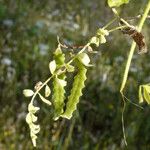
x=117, y=28
x=136, y=17
x=122, y=119
x=62, y=45
x=133, y=102
x=37, y=91
x=109, y=23
x=84, y=48
x=125, y=76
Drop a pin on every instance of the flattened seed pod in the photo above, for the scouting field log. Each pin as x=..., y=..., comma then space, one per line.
x=76, y=91
x=58, y=97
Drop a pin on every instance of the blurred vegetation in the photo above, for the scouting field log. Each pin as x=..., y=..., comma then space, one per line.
x=28, y=37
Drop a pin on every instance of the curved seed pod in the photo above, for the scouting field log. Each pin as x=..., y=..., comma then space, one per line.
x=76, y=91
x=58, y=96
x=58, y=84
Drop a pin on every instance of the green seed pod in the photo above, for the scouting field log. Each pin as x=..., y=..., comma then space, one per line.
x=58, y=96
x=58, y=85
x=76, y=91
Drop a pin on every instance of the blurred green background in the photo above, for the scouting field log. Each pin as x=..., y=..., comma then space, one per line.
x=28, y=37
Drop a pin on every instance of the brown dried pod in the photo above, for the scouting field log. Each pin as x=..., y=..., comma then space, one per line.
x=138, y=37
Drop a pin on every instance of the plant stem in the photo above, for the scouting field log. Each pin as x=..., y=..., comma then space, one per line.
x=141, y=23
x=125, y=76
x=109, y=23
x=117, y=28
x=82, y=50
x=144, y=16
x=125, y=22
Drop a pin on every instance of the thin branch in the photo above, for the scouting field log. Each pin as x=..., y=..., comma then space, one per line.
x=37, y=91
x=137, y=17
x=125, y=76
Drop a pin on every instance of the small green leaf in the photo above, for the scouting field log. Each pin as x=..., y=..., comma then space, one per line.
x=33, y=138
x=102, y=32
x=140, y=94
x=70, y=68
x=32, y=108
x=44, y=99
x=58, y=51
x=28, y=92
x=84, y=59
x=47, y=91
x=102, y=39
x=62, y=82
x=90, y=65
x=117, y=3
x=147, y=87
x=34, y=118
x=95, y=40
x=146, y=96
x=52, y=66
x=35, y=128
x=35, y=131
x=29, y=118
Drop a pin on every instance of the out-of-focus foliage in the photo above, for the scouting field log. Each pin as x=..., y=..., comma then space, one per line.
x=117, y=3
x=28, y=31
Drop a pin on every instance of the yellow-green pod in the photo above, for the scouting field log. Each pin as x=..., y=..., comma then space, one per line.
x=76, y=91
x=58, y=85
x=58, y=96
